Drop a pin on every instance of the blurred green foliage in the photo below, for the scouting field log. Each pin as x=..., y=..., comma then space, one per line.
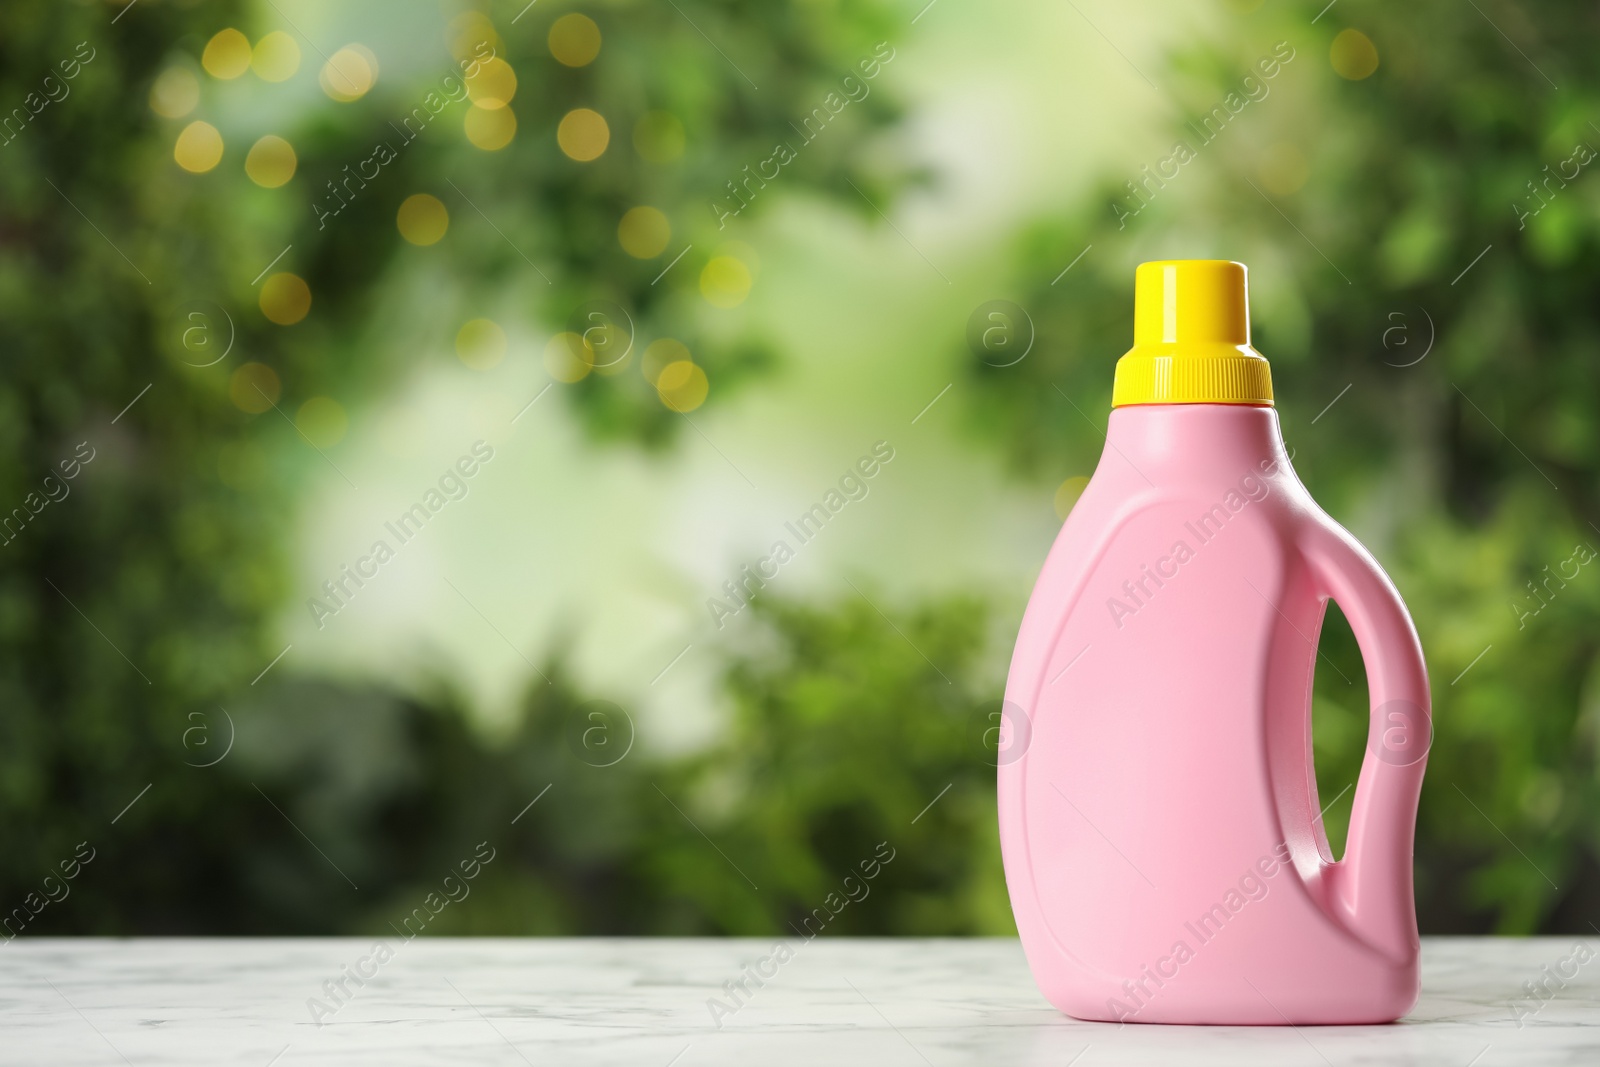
x=1441, y=405
x=132, y=624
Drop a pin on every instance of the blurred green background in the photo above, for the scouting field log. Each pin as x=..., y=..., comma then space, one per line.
x=270, y=271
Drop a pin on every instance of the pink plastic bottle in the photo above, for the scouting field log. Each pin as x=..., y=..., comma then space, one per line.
x=1159, y=815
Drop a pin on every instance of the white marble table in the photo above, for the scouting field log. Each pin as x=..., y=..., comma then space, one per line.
x=837, y=1001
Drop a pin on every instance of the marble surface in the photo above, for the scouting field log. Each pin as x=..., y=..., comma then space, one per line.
x=835, y=1001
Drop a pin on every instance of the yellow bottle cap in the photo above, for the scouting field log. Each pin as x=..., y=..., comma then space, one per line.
x=1191, y=338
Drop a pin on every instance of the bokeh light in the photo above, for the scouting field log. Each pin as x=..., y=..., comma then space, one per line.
x=198, y=148
x=608, y=364
x=1067, y=494
x=725, y=281
x=490, y=129
x=583, y=134
x=271, y=161
x=493, y=84
x=682, y=386
x=658, y=137
x=574, y=40
x=1353, y=55
x=226, y=55
x=276, y=57
x=659, y=355
x=174, y=93
x=285, y=298
x=254, y=387
x=644, y=232
x=480, y=344
x=473, y=37
x=349, y=74
x=566, y=357
x=322, y=420
x=602, y=336
x=422, y=219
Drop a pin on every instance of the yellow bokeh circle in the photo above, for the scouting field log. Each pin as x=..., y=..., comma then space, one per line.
x=609, y=365
x=493, y=84
x=226, y=55
x=199, y=147
x=725, y=281
x=322, y=420
x=285, y=298
x=490, y=129
x=659, y=355
x=174, y=93
x=349, y=74
x=1067, y=494
x=567, y=357
x=574, y=40
x=473, y=37
x=583, y=134
x=480, y=344
x=1353, y=55
x=644, y=232
x=422, y=219
x=271, y=161
x=254, y=387
x=275, y=57
x=682, y=386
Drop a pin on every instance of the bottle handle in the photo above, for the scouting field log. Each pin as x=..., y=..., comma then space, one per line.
x=1371, y=886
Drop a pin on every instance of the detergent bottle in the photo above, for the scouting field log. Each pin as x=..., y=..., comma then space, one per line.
x=1159, y=815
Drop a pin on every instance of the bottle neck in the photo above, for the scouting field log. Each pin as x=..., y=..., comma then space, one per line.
x=1163, y=442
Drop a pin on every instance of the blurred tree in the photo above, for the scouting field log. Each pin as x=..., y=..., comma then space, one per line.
x=196, y=260
x=1410, y=189
x=852, y=740
x=629, y=134
x=133, y=591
